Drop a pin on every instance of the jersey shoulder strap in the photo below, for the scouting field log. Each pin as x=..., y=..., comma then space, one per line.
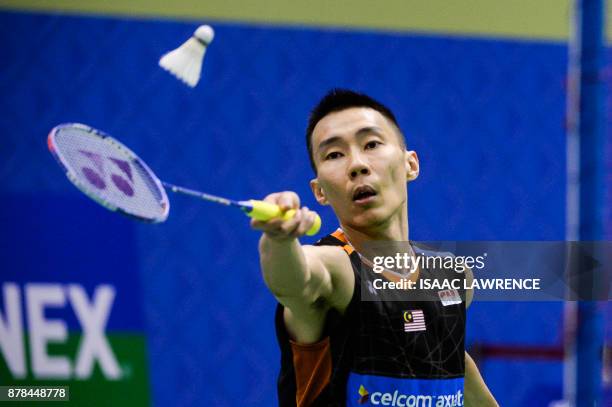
x=337, y=238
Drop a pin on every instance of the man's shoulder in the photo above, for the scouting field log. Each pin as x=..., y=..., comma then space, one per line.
x=334, y=259
x=336, y=262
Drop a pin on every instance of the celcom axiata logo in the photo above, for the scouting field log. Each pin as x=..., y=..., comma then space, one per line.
x=396, y=399
x=364, y=396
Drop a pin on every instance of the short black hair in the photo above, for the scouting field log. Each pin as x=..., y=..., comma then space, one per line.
x=340, y=99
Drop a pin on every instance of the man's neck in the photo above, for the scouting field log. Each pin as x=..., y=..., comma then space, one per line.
x=394, y=229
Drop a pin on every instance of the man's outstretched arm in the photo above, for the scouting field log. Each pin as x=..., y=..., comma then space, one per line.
x=477, y=394
x=302, y=278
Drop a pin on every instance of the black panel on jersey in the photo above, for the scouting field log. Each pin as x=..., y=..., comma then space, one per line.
x=370, y=339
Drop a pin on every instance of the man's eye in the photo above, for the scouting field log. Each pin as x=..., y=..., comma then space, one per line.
x=372, y=144
x=333, y=155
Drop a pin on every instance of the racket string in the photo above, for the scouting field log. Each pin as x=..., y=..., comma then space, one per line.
x=110, y=173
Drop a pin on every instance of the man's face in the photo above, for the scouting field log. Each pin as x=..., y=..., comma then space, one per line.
x=362, y=167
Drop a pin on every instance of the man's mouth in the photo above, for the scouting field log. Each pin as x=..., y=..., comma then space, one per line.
x=363, y=194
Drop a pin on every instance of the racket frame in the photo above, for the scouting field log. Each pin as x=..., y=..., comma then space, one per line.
x=135, y=160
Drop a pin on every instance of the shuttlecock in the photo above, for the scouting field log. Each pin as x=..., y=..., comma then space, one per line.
x=185, y=62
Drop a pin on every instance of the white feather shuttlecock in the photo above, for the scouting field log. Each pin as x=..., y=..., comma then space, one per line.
x=185, y=62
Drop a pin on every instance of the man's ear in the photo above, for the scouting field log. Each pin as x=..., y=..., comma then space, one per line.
x=318, y=191
x=412, y=165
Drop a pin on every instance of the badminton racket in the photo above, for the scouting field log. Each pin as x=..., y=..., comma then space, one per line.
x=115, y=177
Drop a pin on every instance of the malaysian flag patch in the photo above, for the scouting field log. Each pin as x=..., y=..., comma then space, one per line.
x=414, y=321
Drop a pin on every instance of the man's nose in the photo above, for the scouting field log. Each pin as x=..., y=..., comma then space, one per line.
x=358, y=167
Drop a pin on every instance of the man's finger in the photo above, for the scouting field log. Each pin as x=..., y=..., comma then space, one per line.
x=272, y=198
x=266, y=226
x=307, y=219
x=288, y=200
x=289, y=226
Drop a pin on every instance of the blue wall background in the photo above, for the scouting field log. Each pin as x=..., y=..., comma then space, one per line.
x=486, y=117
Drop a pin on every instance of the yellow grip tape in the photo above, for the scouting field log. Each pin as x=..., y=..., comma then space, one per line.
x=265, y=211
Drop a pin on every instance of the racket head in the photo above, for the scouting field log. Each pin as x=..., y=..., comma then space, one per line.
x=108, y=172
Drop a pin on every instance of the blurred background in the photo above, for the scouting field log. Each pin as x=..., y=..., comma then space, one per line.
x=479, y=88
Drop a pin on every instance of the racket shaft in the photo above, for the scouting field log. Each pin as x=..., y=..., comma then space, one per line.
x=259, y=210
x=207, y=197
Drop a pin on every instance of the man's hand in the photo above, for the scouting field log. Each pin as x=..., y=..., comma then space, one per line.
x=281, y=230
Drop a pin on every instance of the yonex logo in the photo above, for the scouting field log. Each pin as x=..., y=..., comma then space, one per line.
x=97, y=176
x=91, y=313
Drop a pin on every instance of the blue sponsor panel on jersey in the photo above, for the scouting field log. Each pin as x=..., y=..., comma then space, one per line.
x=365, y=390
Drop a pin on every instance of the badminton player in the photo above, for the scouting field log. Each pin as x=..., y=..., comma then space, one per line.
x=337, y=350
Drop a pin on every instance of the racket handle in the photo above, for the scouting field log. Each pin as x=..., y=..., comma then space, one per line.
x=265, y=211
